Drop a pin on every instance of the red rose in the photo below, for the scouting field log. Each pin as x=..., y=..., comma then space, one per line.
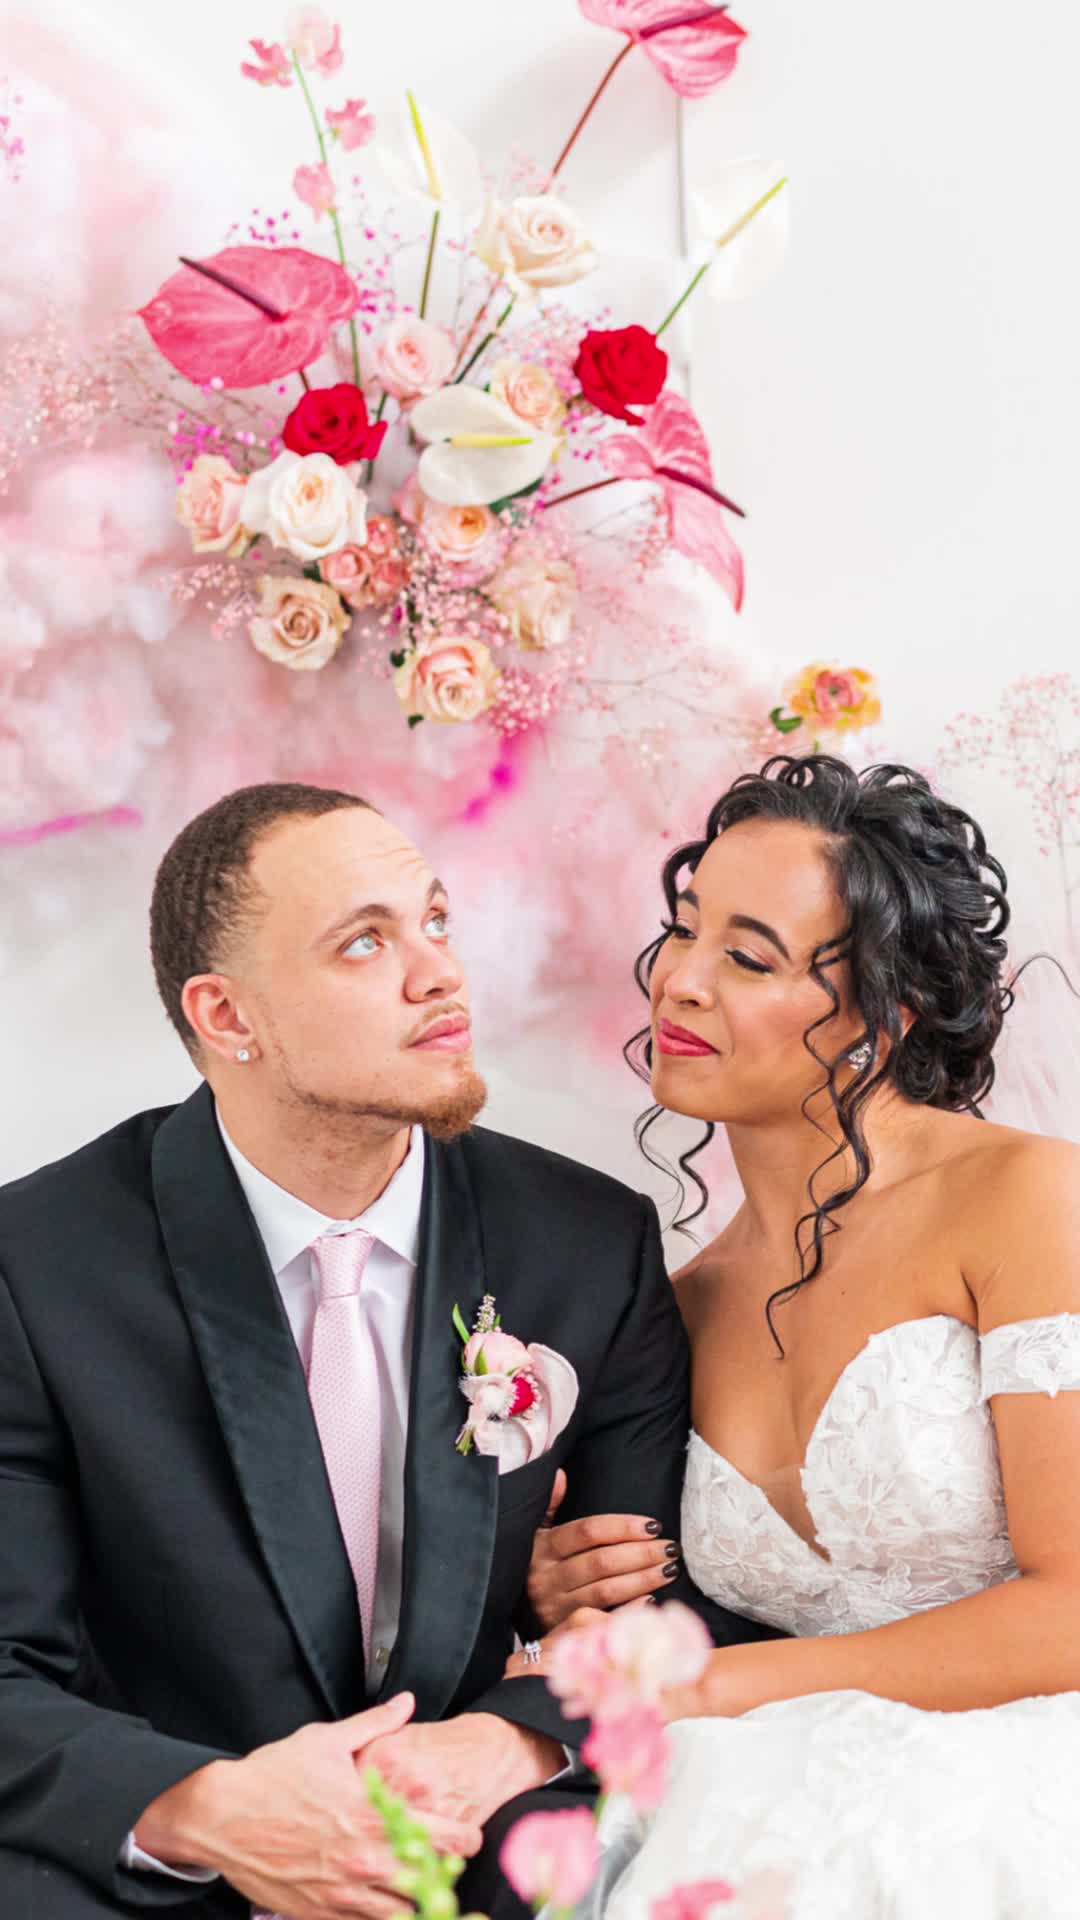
x=334, y=420
x=619, y=364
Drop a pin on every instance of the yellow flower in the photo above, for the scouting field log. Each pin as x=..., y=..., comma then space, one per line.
x=832, y=699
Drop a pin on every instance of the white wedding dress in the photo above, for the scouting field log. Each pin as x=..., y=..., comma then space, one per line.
x=878, y=1811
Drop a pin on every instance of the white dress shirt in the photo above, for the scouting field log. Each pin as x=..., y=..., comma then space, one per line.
x=288, y=1227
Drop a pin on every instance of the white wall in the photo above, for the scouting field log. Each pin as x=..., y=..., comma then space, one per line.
x=900, y=409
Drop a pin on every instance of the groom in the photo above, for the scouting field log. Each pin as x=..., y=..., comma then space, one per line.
x=240, y=1555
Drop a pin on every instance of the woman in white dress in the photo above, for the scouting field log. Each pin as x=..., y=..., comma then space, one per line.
x=885, y=1458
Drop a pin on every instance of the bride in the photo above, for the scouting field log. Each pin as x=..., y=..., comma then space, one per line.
x=885, y=1458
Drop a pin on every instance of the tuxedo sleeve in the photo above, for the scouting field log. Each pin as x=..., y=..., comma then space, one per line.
x=74, y=1776
x=629, y=1456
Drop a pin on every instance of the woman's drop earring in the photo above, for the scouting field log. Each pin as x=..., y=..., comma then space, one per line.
x=861, y=1056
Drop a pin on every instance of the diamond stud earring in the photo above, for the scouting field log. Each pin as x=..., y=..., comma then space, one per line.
x=243, y=1055
x=861, y=1056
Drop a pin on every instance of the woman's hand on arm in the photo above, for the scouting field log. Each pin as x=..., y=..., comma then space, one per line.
x=601, y=1561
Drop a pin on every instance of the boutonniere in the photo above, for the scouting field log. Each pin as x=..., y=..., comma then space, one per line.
x=520, y=1397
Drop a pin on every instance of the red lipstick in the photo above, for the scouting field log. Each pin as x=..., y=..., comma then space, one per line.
x=680, y=1041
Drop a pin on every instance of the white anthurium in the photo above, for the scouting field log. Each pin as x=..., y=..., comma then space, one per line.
x=743, y=213
x=477, y=451
x=426, y=158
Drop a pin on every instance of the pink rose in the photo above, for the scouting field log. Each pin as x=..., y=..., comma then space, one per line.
x=529, y=391
x=501, y=1353
x=449, y=677
x=413, y=358
x=299, y=623
x=534, y=243
x=694, y=1901
x=315, y=41
x=271, y=67
x=315, y=187
x=353, y=124
x=552, y=1858
x=372, y=575
x=630, y=1755
x=469, y=539
x=209, y=502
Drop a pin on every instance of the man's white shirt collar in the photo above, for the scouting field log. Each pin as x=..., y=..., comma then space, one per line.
x=288, y=1225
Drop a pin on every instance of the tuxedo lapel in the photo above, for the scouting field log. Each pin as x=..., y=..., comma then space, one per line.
x=451, y=1500
x=257, y=1385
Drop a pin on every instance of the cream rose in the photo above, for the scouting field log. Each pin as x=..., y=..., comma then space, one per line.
x=449, y=677
x=466, y=538
x=537, y=592
x=299, y=623
x=535, y=242
x=209, y=502
x=529, y=391
x=307, y=504
x=413, y=358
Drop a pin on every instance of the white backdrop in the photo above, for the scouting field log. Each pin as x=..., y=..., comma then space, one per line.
x=900, y=409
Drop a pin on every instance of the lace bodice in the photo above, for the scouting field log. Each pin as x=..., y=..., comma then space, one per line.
x=901, y=1481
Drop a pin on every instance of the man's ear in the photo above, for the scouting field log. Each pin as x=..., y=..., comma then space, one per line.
x=213, y=1012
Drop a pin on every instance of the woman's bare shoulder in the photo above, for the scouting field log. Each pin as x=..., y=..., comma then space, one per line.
x=696, y=1282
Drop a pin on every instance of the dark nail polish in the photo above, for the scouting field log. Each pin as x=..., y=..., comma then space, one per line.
x=671, y=1570
x=673, y=1550
x=655, y=1527
x=651, y=1600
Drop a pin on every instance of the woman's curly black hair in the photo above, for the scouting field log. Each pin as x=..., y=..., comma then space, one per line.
x=925, y=914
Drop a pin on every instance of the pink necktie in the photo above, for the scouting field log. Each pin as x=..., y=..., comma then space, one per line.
x=343, y=1382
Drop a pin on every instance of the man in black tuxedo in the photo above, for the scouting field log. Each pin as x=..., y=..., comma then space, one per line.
x=187, y=1702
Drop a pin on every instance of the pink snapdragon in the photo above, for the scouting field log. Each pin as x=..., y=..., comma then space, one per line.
x=271, y=66
x=352, y=123
x=315, y=187
x=630, y=1755
x=552, y=1857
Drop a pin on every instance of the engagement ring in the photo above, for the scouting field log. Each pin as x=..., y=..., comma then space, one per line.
x=532, y=1653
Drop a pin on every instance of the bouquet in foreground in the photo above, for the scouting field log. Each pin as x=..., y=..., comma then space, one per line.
x=615, y=1671
x=377, y=451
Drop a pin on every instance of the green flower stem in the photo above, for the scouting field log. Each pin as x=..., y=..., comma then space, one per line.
x=429, y=262
x=725, y=239
x=427, y=1878
x=487, y=340
x=335, y=218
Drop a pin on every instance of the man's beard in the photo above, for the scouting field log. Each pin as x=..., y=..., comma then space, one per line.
x=445, y=1116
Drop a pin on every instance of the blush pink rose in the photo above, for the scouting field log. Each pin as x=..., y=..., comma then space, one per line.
x=537, y=593
x=315, y=187
x=299, y=623
x=209, y=503
x=552, y=1858
x=469, y=539
x=529, y=391
x=500, y=1352
x=352, y=123
x=372, y=575
x=630, y=1755
x=414, y=358
x=524, y=1415
x=450, y=678
x=534, y=243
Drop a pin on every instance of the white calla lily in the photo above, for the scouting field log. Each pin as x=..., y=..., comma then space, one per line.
x=744, y=214
x=478, y=451
x=424, y=157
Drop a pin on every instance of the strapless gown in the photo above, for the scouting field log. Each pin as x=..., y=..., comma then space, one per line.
x=876, y=1811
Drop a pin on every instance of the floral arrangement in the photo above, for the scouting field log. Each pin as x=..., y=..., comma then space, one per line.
x=615, y=1672
x=521, y=1398
x=409, y=502
x=827, y=701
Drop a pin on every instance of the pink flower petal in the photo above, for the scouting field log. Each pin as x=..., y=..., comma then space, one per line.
x=206, y=332
x=693, y=46
x=672, y=439
x=557, y=1395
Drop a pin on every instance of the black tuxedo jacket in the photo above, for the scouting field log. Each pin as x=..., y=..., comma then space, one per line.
x=173, y=1581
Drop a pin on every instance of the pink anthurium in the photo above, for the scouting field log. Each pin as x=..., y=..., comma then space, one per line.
x=672, y=450
x=694, y=47
x=247, y=315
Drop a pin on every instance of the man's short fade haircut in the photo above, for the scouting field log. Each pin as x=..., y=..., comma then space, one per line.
x=203, y=890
